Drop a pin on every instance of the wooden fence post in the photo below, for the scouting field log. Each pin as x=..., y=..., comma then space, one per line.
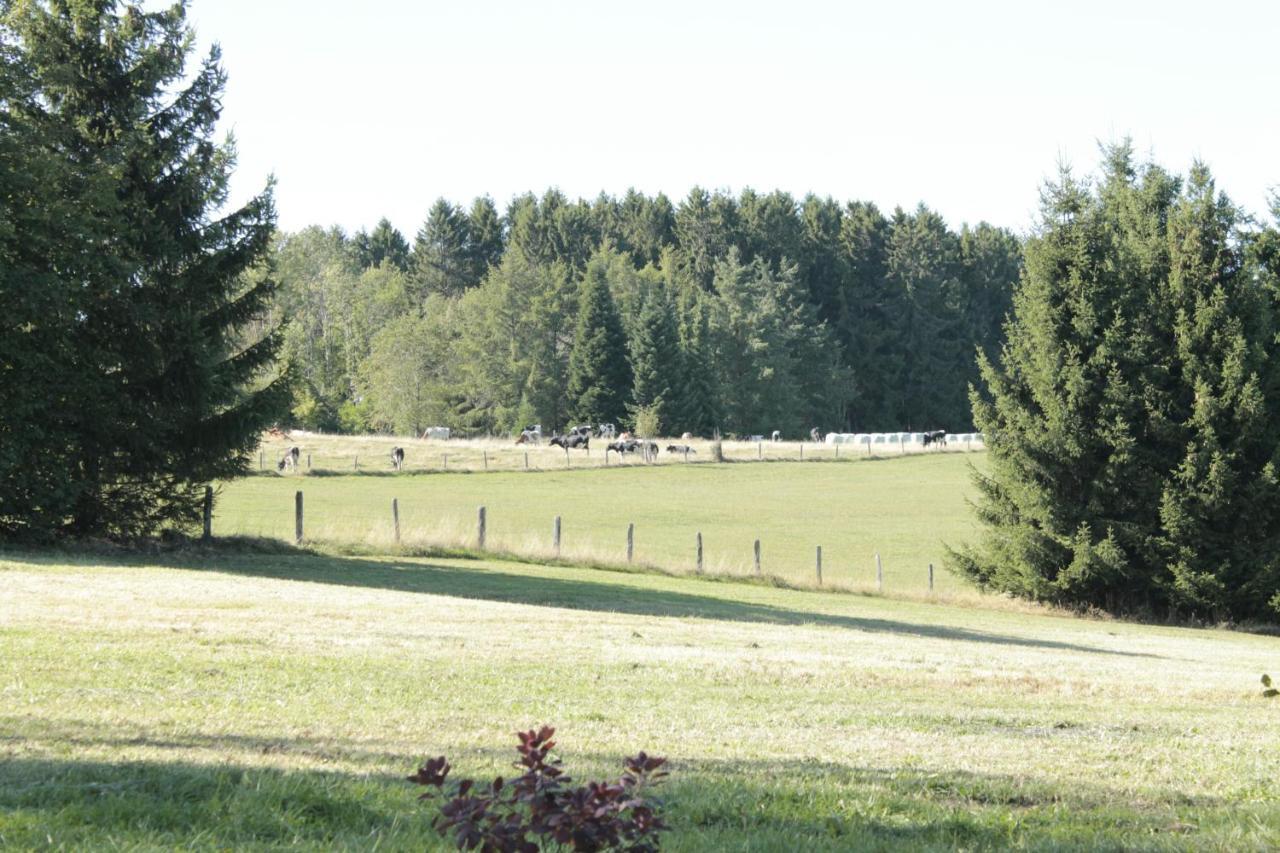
x=757, y=550
x=308, y=461
x=699, y=552
x=297, y=518
x=261, y=456
x=555, y=536
x=631, y=541
x=356, y=463
x=395, y=517
x=566, y=457
x=802, y=451
x=879, y=573
x=526, y=460
x=208, y=513
x=480, y=529
x=486, y=459
x=931, y=577
x=759, y=450
x=837, y=450
x=446, y=462
x=819, y=565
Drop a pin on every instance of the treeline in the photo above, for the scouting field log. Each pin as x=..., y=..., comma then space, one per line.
x=740, y=314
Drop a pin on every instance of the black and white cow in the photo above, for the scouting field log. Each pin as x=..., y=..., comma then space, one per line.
x=397, y=458
x=572, y=441
x=289, y=460
x=937, y=436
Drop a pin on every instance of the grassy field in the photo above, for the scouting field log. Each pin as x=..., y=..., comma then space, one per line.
x=903, y=508
x=217, y=700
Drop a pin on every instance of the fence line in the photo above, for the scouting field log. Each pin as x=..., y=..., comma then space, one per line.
x=482, y=541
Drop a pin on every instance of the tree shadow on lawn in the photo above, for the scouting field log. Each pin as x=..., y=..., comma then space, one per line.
x=711, y=803
x=584, y=594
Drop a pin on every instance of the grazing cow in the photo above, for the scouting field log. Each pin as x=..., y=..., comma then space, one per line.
x=584, y=430
x=680, y=448
x=397, y=458
x=777, y=435
x=937, y=436
x=623, y=446
x=290, y=459
x=437, y=433
x=571, y=441
x=685, y=436
x=607, y=430
x=530, y=435
x=814, y=435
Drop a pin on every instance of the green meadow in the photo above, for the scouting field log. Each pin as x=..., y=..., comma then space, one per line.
x=219, y=699
x=906, y=509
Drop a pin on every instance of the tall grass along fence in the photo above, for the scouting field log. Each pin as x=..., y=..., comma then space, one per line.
x=451, y=536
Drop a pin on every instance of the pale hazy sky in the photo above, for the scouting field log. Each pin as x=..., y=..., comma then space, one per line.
x=376, y=108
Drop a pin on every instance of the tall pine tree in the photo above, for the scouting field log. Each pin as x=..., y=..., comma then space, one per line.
x=149, y=336
x=1133, y=418
x=599, y=384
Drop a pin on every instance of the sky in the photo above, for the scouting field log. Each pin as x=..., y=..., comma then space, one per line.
x=372, y=109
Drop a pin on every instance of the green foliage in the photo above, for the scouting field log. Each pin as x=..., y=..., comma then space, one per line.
x=873, y=322
x=657, y=367
x=384, y=245
x=405, y=382
x=133, y=293
x=599, y=378
x=442, y=261
x=1132, y=417
x=1267, y=690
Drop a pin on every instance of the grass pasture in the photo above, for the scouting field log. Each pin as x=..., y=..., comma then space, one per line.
x=904, y=508
x=216, y=700
x=332, y=454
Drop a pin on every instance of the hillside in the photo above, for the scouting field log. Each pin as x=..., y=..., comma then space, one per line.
x=219, y=700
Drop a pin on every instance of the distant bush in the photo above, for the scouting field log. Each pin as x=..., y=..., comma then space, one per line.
x=540, y=806
x=647, y=421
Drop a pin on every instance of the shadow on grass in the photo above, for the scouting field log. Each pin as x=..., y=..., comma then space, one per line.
x=710, y=804
x=602, y=593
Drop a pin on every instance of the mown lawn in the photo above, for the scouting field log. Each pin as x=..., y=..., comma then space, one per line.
x=215, y=700
x=905, y=509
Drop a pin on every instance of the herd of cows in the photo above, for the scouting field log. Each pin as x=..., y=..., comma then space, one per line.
x=579, y=438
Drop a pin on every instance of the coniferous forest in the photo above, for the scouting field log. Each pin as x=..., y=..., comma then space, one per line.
x=742, y=314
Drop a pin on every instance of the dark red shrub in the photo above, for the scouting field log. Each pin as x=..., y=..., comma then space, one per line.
x=541, y=807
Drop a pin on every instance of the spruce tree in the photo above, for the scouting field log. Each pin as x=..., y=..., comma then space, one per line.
x=599, y=382
x=485, y=239
x=441, y=261
x=384, y=245
x=157, y=387
x=1133, y=418
x=655, y=362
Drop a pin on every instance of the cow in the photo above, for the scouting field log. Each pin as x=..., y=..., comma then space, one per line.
x=530, y=434
x=685, y=436
x=584, y=430
x=607, y=430
x=290, y=460
x=572, y=441
x=437, y=433
x=937, y=436
x=815, y=435
x=397, y=458
x=680, y=448
x=777, y=435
